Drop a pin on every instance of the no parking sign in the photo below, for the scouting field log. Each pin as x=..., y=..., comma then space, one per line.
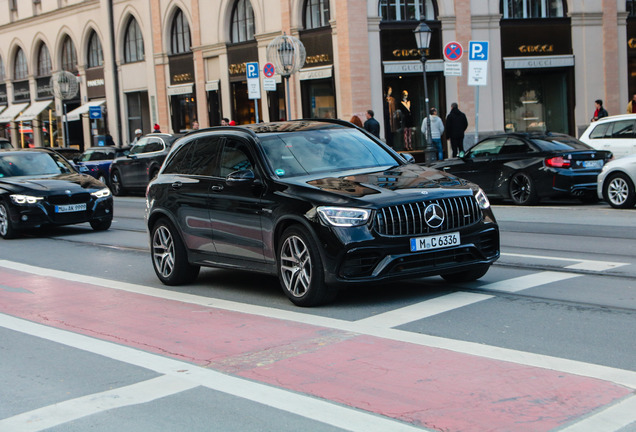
x=453, y=51
x=269, y=83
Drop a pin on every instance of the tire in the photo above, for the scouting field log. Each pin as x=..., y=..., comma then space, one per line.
x=153, y=174
x=522, y=190
x=102, y=178
x=115, y=183
x=300, y=269
x=7, y=231
x=619, y=191
x=101, y=224
x=468, y=275
x=169, y=256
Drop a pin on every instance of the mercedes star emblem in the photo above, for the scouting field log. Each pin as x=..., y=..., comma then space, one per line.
x=434, y=215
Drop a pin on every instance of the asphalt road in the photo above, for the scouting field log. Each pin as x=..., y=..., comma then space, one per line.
x=90, y=339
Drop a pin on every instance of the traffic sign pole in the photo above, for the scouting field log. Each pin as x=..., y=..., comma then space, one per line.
x=253, y=85
x=477, y=74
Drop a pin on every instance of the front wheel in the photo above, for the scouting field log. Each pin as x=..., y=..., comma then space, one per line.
x=467, y=275
x=300, y=269
x=101, y=224
x=522, y=190
x=619, y=192
x=116, y=186
x=169, y=256
x=6, y=227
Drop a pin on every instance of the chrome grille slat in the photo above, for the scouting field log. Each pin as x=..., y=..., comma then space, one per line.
x=408, y=219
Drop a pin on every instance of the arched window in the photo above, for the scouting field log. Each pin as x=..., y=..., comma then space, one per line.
x=69, y=56
x=396, y=10
x=316, y=14
x=3, y=77
x=520, y=9
x=180, y=34
x=95, y=54
x=20, y=70
x=242, y=21
x=133, y=42
x=44, y=61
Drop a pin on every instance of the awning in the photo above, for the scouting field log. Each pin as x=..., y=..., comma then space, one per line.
x=83, y=109
x=34, y=110
x=10, y=113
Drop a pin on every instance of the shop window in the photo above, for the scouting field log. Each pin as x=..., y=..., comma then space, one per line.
x=44, y=61
x=631, y=7
x=95, y=54
x=397, y=10
x=180, y=34
x=133, y=42
x=316, y=14
x=69, y=56
x=523, y=9
x=20, y=70
x=242, y=22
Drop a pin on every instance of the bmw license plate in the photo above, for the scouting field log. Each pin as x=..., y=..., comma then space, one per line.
x=70, y=208
x=435, y=241
x=593, y=164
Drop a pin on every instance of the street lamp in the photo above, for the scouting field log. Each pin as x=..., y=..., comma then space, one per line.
x=287, y=53
x=423, y=39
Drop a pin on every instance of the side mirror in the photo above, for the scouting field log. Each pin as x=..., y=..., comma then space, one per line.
x=240, y=177
x=131, y=156
x=408, y=157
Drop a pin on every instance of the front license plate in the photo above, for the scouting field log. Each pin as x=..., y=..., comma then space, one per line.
x=435, y=242
x=593, y=164
x=70, y=208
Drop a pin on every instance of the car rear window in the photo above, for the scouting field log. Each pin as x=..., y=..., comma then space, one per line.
x=562, y=143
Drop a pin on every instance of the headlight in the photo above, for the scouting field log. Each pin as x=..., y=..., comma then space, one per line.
x=482, y=200
x=344, y=216
x=101, y=193
x=25, y=199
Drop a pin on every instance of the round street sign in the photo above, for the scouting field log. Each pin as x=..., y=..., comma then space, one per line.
x=453, y=51
x=268, y=70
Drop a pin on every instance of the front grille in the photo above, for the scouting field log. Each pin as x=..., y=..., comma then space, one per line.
x=78, y=198
x=408, y=219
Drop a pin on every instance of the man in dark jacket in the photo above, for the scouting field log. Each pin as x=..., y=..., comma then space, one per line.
x=372, y=125
x=456, y=125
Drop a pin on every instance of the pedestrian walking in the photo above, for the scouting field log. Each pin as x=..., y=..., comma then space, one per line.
x=631, y=106
x=372, y=125
x=600, y=112
x=156, y=128
x=456, y=125
x=138, y=134
x=437, y=129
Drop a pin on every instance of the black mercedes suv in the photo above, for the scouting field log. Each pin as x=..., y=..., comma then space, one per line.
x=318, y=203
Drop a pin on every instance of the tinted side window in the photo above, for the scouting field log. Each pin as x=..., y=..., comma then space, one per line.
x=139, y=147
x=488, y=147
x=515, y=146
x=600, y=131
x=178, y=162
x=234, y=158
x=153, y=146
x=623, y=129
x=204, y=156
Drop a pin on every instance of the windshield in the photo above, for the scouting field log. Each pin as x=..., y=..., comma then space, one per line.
x=308, y=152
x=33, y=164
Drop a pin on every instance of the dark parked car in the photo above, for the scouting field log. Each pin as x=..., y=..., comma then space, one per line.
x=527, y=167
x=5, y=144
x=141, y=164
x=39, y=187
x=319, y=204
x=70, y=153
x=95, y=161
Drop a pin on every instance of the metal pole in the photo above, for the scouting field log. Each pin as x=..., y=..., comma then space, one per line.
x=430, y=153
x=111, y=30
x=256, y=109
x=65, y=128
x=287, y=96
x=476, y=114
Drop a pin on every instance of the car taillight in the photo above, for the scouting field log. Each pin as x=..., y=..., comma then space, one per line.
x=558, y=162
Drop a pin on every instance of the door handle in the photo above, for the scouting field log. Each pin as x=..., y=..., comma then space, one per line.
x=217, y=188
x=177, y=185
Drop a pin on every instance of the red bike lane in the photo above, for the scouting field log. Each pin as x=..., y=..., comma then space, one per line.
x=424, y=386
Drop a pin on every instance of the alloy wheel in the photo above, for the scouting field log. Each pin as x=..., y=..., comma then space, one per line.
x=163, y=251
x=618, y=191
x=4, y=221
x=295, y=265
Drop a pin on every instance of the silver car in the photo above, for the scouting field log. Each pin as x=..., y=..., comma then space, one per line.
x=616, y=182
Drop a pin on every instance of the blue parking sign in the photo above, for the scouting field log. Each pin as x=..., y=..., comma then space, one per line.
x=95, y=112
x=478, y=51
x=251, y=70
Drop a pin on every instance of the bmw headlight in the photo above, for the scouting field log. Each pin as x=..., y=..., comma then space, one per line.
x=102, y=193
x=482, y=200
x=344, y=216
x=25, y=199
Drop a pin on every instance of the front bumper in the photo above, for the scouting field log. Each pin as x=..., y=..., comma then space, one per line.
x=32, y=216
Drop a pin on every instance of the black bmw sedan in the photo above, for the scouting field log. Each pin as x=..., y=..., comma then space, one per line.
x=320, y=204
x=39, y=187
x=528, y=167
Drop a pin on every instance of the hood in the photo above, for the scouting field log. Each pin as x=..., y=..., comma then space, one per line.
x=394, y=183
x=50, y=184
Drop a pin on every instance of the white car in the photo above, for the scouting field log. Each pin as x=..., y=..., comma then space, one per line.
x=616, y=134
x=616, y=182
